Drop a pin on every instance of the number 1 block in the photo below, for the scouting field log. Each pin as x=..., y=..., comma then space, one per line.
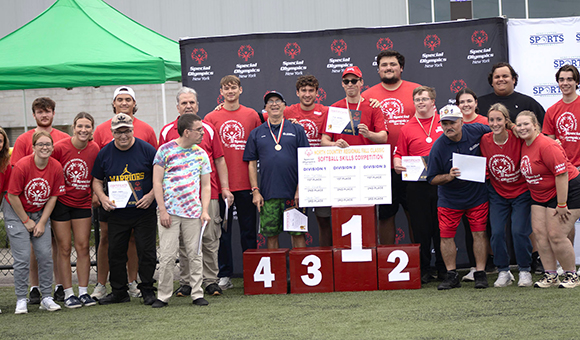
x=355, y=269
x=399, y=267
x=311, y=270
x=354, y=226
x=265, y=271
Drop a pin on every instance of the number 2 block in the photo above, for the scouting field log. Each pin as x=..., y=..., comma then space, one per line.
x=399, y=267
x=311, y=270
x=265, y=271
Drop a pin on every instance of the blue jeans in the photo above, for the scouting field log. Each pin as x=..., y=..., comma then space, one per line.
x=500, y=209
x=246, y=212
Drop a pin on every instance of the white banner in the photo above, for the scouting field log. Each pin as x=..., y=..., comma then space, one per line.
x=537, y=49
x=331, y=176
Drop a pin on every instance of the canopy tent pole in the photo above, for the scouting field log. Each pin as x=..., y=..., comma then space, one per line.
x=24, y=106
x=163, y=103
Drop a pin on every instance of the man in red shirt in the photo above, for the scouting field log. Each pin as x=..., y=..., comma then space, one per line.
x=43, y=110
x=187, y=103
x=234, y=122
x=396, y=97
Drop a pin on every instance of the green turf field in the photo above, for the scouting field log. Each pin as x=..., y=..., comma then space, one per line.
x=464, y=313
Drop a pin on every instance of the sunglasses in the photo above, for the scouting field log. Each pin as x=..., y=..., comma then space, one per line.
x=352, y=81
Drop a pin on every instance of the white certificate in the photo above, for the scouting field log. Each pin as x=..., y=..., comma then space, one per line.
x=415, y=167
x=294, y=220
x=472, y=167
x=338, y=118
x=119, y=193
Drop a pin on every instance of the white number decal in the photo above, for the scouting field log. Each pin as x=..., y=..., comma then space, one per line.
x=313, y=270
x=356, y=253
x=397, y=273
x=264, y=273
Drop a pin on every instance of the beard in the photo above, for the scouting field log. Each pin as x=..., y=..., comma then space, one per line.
x=390, y=81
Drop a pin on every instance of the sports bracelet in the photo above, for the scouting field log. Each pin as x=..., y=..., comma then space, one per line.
x=27, y=219
x=255, y=188
x=562, y=205
x=226, y=188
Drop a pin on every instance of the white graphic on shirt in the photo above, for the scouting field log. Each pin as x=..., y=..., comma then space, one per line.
x=76, y=172
x=311, y=130
x=394, y=112
x=567, y=127
x=37, y=192
x=232, y=133
x=502, y=168
x=526, y=168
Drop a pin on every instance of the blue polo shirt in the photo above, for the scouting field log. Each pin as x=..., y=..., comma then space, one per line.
x=278, y=169
x=457, y=194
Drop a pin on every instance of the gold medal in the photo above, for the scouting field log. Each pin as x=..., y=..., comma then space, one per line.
x=278, y=147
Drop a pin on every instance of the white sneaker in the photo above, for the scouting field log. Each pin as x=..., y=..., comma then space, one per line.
x=504, y=279
x=21, y=307
x=525, y=279
x=99, y=292
x=469, y=276
x=225, y=283
x=560, y=270
x=48, y=304
x=133, y=290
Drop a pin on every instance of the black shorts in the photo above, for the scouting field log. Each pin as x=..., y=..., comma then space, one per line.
x=63, y=212
x=399, y=197
x=573, y=200
x=103, y=215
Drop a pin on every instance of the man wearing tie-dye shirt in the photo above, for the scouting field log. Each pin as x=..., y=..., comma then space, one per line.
x=180, y=169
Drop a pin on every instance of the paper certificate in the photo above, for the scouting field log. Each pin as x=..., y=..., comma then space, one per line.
x=295, y=220
x=472, y=167
x=337, y=120
x=120, y=192
x=416, y=168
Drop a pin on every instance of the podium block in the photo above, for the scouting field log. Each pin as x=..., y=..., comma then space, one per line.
x=265, y=271
x=311, y=270
x=355, y=271
x=399, y=267
x=354, y=226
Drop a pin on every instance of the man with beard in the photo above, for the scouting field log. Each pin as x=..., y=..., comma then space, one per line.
x=396, y=98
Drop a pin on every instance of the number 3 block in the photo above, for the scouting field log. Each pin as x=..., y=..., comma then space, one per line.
x=399, y=267
x=265, y=271
x=311, y=270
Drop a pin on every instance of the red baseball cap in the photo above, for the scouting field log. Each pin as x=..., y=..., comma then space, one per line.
x=352, y=70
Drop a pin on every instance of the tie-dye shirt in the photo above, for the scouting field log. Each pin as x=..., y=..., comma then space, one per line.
x=182, y=178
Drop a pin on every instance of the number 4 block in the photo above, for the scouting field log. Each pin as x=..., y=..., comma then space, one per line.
x=265, y=271
x=311, y=270
x=399, y=267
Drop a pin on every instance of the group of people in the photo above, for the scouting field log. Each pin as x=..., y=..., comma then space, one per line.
x=180, y=185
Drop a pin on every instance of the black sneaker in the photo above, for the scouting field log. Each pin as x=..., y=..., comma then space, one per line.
x=480, y=279
x=159, y=304
x=183, y=290
x=112, y=298
x=200, y=302
x=213, y=289
x=59, y=294
x=537, y=266
x=34, y=296
x=451, y=281
x=148, y=296
x=426, y=278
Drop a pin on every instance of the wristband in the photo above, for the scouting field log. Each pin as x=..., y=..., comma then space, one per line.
x=226, y=188
x=27, y=219
x=255, y=188
x=562, y=205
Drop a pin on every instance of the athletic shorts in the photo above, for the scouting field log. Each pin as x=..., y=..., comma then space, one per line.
x=63, y=212
x=449, y=219
x=324, y=212
x=399, y=197
x=103, y=214
x=272, y=218
x=573, y=200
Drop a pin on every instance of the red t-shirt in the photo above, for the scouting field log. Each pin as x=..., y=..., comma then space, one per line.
x=541, y=162
x=77, y=166
x=234, y=128
x=23, y=144
x=561, y=120
x=35, y=186
x=371, y=117
x=5, y=178
x=141, y=130
x=503, y=165
x=312, y=121
x=397, y=107
x=413, y=138
x=478, y=119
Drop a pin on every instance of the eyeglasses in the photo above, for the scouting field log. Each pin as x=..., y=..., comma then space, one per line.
x=43, y=145
x=424, y=100
x=119, y=133
x=352, y=81
x=277, y=102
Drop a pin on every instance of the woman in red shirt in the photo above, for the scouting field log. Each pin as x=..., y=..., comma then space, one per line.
x=508, y=196
x=73, y=210
x=35, y=183
x=466, y=100
x=555, y=188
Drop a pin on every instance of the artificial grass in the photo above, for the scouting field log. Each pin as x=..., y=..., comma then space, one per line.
x=463, y=313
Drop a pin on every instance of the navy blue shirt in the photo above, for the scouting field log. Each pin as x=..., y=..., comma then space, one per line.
x=278, y=169
x=457, y=194
x=134, y=165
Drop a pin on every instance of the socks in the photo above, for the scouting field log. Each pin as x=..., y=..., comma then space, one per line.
x=82, y=291
x=68, y=293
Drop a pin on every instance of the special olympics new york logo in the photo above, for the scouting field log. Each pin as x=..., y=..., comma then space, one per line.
x=526, y=166
x=232, y=132
x=75, y=171
x=338, y=46
x=37, y=192
x=245, y=52
x=384, y=44
x=320, y=96
x=310, y=128
x=292, y=49
x=308, y=152
x=199, y=55
x=457, y=85
x=501, y=166
x=479, y=37
x=391, y=108
x=566, y=123
x=432, y=41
